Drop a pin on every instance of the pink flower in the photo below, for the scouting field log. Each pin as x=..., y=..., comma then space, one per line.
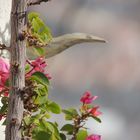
x=4, y=71
x=94, y=137
x=39, y=64
x=87, y=98
x=94, y=111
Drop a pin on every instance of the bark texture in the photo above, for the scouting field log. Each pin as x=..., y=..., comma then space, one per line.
x=18, y=49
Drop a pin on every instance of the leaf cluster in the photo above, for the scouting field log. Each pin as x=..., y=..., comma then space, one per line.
x=35, y=124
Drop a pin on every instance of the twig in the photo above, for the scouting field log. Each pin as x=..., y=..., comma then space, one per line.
x=4, y=47
x=36, y=2
x=28, y=61
x=79, y=123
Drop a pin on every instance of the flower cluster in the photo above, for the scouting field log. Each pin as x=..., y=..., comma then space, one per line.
x=37, y=65
x=87, y=99
x=79, y=117
x=35, y=98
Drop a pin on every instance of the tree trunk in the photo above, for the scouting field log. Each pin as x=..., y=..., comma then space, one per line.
x=17, y=77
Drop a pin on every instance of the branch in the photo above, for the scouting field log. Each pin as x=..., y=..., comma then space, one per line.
x=17, y=71
x=4, y=47
x=36, y=2
x=61, y=43
x=64, y=42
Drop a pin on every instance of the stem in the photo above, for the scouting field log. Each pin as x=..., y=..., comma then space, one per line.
x=29, y=71
x=77, y=124
x=29, y=62
x=17, y=73
x=36, y=2
x=4, y=47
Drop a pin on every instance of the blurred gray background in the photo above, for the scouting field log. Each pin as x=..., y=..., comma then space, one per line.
x=111, y=71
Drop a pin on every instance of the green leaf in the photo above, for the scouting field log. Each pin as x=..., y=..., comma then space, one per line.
x=3, y=109
x=46, y=130
x=56, y=124
x=40, y=78
x=41, y=100
x=47, y=125
x=54, y=108
x=7, y=83
x=40, y=22
x=63, y=137
x=53, y=137
x=81, y=135
x=70, y=113
x=47, y=115
x=96, y=118
x=27, y=120
x=56, y=132
x=68, y=117
x=27, y=67
x=42, y=90
x=4, y=100
x=42, y=135
x=67, y=128
x=35, y=25
x=39, y=29
x=43, y=108
x=40, y=51
x=32, y=15
x=51, y=129
x=35, y=119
